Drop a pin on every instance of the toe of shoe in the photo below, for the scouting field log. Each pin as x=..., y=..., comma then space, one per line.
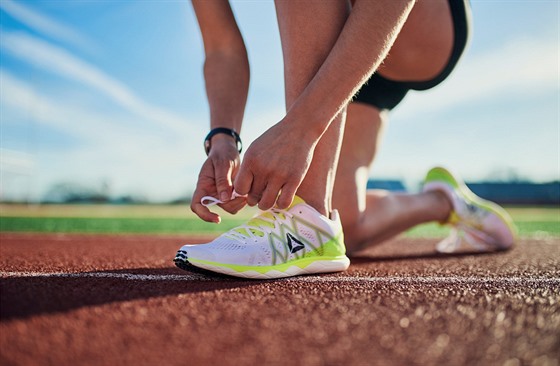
x=195, y=251
x=503, y=233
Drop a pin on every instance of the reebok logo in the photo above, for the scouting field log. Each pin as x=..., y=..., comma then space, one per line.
x=294, y=244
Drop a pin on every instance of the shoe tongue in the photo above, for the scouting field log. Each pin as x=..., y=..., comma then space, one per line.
x=258, y=221
x=297, y=200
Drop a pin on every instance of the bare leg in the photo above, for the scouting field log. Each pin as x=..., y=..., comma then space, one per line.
x=423, y=45
x=308, y=30
x=371, y=217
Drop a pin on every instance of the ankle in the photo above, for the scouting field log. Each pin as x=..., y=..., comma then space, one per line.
x=443, y=205
x=317, y=203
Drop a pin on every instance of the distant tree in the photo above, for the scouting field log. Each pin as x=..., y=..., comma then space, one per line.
x=68, y=192
x=506, y=174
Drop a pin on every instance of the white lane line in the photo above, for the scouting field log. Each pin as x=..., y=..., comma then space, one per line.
x=433, y=280
x=116, y=275
x=521, y=281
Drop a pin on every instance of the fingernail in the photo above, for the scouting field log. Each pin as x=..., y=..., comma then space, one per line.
x=224, y=197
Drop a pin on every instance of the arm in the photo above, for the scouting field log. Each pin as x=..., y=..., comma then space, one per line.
x=363, y=43
x=226, y=73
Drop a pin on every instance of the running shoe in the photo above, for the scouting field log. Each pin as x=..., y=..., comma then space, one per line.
x=475, y=222
x=275, y=243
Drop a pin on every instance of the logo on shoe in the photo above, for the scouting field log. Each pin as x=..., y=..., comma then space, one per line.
x=294, y=244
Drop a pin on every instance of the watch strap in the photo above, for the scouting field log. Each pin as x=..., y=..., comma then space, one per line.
x=224, y=130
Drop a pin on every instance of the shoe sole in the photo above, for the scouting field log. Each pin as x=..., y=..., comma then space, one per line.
x=504, y=221
x=338, y=264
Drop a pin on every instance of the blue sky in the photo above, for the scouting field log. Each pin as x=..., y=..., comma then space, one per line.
x=96, y=92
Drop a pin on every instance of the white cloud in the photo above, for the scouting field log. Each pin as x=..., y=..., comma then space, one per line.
x=16, y=162
x=45, y=24
x=163, y=165
x=92, y=127
x=59, y=61
x=446, y=125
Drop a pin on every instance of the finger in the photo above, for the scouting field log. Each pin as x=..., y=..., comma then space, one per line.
x=198, y=208
x=256, y=192
x=234, y=205
x=269, y=196
x=222, y=173
x=243, y=180
x=204, y=213
x=286, y=196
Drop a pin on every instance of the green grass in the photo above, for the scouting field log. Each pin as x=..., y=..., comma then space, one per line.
x=164, y=219
x=139, y=219
x=525, y=229
x=114, y=225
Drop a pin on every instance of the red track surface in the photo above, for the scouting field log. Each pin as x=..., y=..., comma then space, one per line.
x=399, y=304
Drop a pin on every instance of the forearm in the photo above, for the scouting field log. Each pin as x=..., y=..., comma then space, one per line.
x=362, y=45
x=227, y=83
x=226, y=67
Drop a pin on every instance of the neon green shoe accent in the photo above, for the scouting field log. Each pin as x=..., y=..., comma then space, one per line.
x=440, y=174
x=330, y=251
x=452, y=219
x=329, y=247
x=257, y=221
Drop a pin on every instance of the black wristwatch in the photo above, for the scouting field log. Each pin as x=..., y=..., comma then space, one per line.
x=227, y=131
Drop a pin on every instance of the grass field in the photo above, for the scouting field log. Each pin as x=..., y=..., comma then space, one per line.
x=178, y=219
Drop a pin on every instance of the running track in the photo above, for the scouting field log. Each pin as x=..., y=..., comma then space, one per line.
x=118, y=300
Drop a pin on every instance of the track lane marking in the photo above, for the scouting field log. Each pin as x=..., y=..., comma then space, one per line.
x=302, y=279
x=117, y=275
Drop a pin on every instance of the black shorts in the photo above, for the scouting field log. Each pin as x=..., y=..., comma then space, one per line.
x=384, y=93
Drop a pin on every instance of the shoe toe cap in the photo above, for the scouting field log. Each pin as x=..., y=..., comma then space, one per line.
x=198, y=251
x=502, y=233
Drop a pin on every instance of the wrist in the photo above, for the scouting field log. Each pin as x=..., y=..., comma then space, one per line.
x=308, y=126
x=222, y=141
x=222, y=136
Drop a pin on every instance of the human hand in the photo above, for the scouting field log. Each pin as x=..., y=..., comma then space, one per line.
x=215, y=179
x=275, y=165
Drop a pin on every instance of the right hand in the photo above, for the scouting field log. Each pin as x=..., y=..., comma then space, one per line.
x=275, y=165
x=215, y=179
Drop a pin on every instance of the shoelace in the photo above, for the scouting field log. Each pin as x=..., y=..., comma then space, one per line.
x=209, y=201
x=258, y=226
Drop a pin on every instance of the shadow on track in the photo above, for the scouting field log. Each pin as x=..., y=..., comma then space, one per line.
x=27, y=296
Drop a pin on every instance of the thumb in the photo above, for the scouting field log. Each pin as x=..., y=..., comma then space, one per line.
x=243, y=180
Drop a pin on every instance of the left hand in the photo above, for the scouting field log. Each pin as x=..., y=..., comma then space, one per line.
x=215, y=179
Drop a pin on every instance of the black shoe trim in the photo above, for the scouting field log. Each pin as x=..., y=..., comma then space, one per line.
x=182, y=262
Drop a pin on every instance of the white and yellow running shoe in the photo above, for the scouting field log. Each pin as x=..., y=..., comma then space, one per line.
x=274, y=244
x=475, y=222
